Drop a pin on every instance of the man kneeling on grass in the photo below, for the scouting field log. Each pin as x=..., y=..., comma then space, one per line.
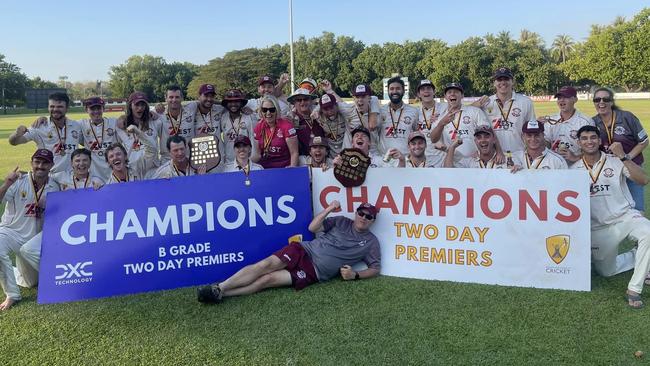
x=343, y=243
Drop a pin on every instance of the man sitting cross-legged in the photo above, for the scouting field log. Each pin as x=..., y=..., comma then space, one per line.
x=344, y=242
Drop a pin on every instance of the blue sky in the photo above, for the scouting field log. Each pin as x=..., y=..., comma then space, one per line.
x=82, y=39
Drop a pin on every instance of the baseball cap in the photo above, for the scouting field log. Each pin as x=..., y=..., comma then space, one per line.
x=369, y=208
x=207, y=88
x=44, y=154
x=360, y=129
x=93, y=101
x=567, y=92
x=362, y=90
x=242, y=139
x=319, y=141
x=454, y=86
x=327, y=100
x=265, y=79
x=484, y=129
x=425, y=82
x=301, y=92
x=309, y=84
x=532, y=126
x=137, y=96
x=503, y=72
x=416, y=134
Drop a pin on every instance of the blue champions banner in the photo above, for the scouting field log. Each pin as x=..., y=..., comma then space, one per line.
x=164, y=234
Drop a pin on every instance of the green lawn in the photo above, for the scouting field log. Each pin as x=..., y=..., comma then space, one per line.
x=383, y=321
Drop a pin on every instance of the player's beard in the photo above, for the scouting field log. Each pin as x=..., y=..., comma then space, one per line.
x=396, y=98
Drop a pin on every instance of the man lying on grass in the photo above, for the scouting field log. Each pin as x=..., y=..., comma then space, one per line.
x=343, y=243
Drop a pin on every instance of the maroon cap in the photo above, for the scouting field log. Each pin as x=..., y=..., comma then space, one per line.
x=265, y=79
x=327, y=101
x=362, y=90
x=503, y=72
x=483, y=129
x=454, y=86
x=370, y=208
x=417, y=134
x=242, y=139
x=93, y=101
x=319, y=141
x=425, y=82
x=44, y=154
x=567, y=92
x=207, y=88
x=137, y=96
x=532, y=126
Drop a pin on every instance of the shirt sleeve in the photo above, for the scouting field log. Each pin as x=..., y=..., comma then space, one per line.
x=531, y=111
x=374, y=105
x=11, y=192
x=373, y=258
x=637, y=129
x=289, y=131
x=329, y=223
x=481, y=118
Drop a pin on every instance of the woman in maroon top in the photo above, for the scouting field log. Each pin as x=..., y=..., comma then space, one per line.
x=621, y=127
x=276, y=137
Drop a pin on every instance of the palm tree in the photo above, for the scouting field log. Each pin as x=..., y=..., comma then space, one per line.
x=562, y=46
x=529, y=37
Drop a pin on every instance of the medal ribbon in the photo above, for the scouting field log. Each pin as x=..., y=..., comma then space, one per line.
x=420, y=165
x=179, y=171
x=333, y=136
x=58, y=133
x=456, y=124
x=600, y=162
x=267, y=137
x=529, y=163
x=74, y=181
x=490, y=163
x=92, y=129
x=424, y=115
x=232, y=123
x=361, y=118
x=206, y=125
x=500, y=105
x=119, y=180
x=38, y=193
x=175, y=129
x=392, y=120
x=610, y=129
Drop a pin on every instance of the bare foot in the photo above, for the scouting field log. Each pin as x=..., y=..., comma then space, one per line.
x=7, y=304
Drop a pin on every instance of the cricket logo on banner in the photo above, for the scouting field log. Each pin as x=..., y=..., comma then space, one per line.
x=557, y=247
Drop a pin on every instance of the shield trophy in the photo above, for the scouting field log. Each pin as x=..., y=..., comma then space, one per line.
x=204, y=150
x=353, y=168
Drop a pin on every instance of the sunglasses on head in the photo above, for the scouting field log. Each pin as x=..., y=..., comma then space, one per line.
x=366, y=215
x=604, y=100
x=264, y=110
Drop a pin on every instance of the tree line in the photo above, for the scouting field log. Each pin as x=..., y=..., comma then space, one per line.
x=614, y=55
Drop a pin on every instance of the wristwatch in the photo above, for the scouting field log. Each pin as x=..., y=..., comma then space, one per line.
x=625, y=157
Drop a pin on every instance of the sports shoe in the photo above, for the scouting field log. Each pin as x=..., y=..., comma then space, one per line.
x=210, y=294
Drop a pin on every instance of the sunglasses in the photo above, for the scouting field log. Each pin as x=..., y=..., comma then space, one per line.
x=301, y=99
x=264, y=110
x=365, y=215
x=604, y=100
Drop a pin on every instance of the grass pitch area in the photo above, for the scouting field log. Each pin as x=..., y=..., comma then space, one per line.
x=382, y=321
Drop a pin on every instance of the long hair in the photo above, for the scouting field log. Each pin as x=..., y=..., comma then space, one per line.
x=130, y=119
x=609, y=92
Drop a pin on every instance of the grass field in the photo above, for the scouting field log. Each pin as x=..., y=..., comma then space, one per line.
x=383, y=321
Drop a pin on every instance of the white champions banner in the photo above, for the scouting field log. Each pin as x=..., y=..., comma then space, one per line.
x=486, y=226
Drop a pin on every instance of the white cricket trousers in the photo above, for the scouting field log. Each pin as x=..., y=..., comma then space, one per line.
x=27, y=260
x=605, y=242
